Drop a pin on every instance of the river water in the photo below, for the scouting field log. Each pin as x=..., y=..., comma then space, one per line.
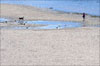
x=76, y=6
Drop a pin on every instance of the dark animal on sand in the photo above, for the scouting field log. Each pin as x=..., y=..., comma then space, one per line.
x=21, y=18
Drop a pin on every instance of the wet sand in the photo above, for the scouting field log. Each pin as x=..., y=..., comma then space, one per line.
x=63, y=47
x=15, y=24
x=33, y=13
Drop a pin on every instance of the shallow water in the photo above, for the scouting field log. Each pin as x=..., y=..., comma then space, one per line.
x=88, y=6
x=49, y=25
x=55, y=24
x=3, y=19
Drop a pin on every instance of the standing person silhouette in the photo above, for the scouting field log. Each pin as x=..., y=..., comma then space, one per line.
x=83, y=17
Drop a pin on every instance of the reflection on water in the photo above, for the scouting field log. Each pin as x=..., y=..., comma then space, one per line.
x=49, y=25
x=3, y=19
x=55, y=24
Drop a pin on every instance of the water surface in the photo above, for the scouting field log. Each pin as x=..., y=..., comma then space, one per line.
x=48, y=25
x=55, y=24
x=91, y=7
x=3, y=19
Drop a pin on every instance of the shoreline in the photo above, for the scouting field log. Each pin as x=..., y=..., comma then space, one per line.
x=77, y=13
x=33, y=13
x=92, y=15
x=71, y=46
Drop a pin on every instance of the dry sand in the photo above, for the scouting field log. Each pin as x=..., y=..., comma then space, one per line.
x=66, y=47
x=33, y=13
x=77, y=46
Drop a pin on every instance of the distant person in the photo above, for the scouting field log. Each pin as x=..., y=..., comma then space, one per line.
x=84, y=16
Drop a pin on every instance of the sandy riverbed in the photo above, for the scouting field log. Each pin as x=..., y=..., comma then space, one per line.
x=65, y=47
